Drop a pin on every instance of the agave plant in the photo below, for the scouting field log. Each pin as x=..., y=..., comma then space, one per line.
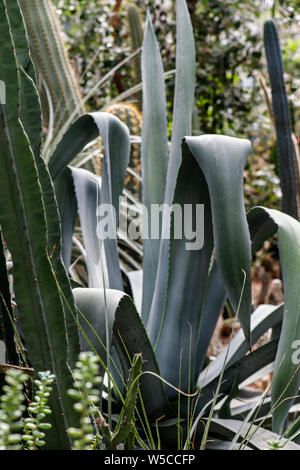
x=180, y=293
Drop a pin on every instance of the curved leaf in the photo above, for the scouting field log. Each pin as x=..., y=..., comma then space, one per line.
x=286, y=380
x=67, y=206
x=222, y=160
x=127, y=330
x=189, y=296
x=102, y=255
x=188, y=270
x=256, y=437
x=116, y=144
x=238, y=372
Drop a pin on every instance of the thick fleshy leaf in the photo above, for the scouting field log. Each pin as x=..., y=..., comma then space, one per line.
x=154, y=153
x=214, y=301
x=286, y=380
x=256, y=437
x=189, y=299
x=136, y=284
x=87, y=190
x=116, y=310
x=116, y=144
x=182, y=126
x=184, y=92
x=96, y=316
x=222, y=160
x=188, y=270
x=264, y=317
x=102, y=256
x=238, y=372
x=67, y=205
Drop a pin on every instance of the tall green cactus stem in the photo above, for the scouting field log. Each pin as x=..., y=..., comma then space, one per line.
x=30, y=114
x=51, y=58
x=136, y=35
x=24, y=221
x=285, y=151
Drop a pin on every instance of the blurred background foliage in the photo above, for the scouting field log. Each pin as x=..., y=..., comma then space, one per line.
x=232, y=82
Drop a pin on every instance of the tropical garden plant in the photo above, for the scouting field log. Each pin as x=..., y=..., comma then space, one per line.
x=153, y=351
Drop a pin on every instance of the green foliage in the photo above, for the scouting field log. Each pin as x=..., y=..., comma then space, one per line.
x=228, y=52
x=86, y=396
x=180, y=292
x=11, y=410
x=16, y=431
x=209, y=166
x=34, y=426
x=275, y=445
x=172, y=298
x=94, y=32
x=124, y=433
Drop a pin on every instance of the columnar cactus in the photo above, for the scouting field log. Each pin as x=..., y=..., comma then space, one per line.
x=285, y=150
x=136, y=35
x=51, y=59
